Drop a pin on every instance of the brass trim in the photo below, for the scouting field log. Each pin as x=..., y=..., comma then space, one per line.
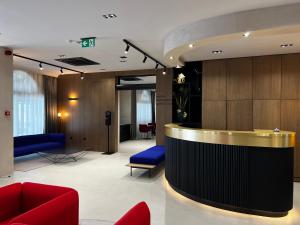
x=256, y=138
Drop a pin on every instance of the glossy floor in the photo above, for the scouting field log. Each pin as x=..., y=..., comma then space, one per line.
x=107, y=191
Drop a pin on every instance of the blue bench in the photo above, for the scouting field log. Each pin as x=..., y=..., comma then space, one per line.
x=148, y=159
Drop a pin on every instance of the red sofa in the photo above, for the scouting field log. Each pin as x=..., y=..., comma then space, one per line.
x=138, y=215
x=38, y=204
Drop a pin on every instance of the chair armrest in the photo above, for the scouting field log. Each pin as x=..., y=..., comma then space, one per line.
x=10, y=201
x=34, y=195
x=138, y=215
x=63, y=210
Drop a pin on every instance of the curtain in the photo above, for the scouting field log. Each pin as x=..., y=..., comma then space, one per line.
x=153, y=106
x=50, y=90
x=143, y=109
x=28, y=103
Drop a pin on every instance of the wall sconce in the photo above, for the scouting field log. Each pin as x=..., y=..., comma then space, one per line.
x=73, y=99
x=59, y=115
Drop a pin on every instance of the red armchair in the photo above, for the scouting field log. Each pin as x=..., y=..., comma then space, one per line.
x=38, y=204
x=138, y=215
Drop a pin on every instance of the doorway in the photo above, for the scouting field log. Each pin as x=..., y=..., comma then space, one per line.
x=137, y=113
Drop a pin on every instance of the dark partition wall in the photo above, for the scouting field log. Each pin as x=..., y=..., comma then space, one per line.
x=188, y=93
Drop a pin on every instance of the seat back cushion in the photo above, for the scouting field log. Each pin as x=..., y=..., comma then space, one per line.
x=56, y=137
x=30, y=139
x=34, y=195
x=10, y=199
x=138, y=215
x=152, y=156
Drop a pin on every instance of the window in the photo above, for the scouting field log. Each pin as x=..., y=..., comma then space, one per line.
x=29, y=103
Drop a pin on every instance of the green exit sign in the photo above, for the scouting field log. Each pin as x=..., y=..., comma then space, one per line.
x=88, y=42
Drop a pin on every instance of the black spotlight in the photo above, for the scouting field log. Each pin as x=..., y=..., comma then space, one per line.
x=165, y=71
x=41, y=66
x=145, y=59
x=156, y=67
x=61, y=71
x=81, y=76
x=127, y=49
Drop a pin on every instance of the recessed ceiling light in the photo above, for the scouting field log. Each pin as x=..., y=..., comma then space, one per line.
x=286, y=45
x=191, y=46
x=246, y=34
x=217, y=51
x=123, y=61
x=109, y=16
x=171, y=58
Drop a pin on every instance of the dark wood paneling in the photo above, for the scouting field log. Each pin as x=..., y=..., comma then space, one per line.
x=291, y=76
x=239, y=78
x=290, y=120
x=214, y=115
x=267, y=77
x=239, y=115
x=163, y=104
x=266, y=114
x=97, y=94
x=214, y=80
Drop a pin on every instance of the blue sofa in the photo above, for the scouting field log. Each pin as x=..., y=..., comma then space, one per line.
x=25, y=145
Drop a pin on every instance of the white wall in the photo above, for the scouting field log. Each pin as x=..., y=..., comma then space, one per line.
x=6, y=124
x=125, y=107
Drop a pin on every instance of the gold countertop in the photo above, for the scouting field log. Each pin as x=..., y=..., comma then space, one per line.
x=256, y=138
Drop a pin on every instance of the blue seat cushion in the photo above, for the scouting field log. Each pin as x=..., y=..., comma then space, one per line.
x=153, y=156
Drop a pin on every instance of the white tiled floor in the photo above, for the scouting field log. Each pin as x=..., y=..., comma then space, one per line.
x=134, y=146
x=107, y=191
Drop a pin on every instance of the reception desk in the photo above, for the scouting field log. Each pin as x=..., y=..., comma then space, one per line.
x=244, y=171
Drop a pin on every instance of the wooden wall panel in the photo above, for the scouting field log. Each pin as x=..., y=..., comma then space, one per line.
x=84, y=125
x=290, y=120
x=239, y=78
x=267, y=77
x=214, y=115
x=239, y=115
x=163, y=104
x=214, y=80
x=291, y=76
x=266, y=114
x=262, y=92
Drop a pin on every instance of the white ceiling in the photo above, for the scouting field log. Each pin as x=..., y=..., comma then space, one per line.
x=40, y=28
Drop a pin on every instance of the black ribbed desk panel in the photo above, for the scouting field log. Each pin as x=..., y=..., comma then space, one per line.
x=254, y=180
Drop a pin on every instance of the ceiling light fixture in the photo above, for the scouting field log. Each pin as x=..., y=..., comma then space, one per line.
x=109, y=16
x=81, y=76
x=41, y=67
x=191, y=46
x=178, y=66
x=246, y=34
x=165, y=71
x=217, y=51
x=123, y=57
x=146, y=55
x=45, y=63
x=286, y=45
x=61, y=71
x=156, y=66
x=171, y=58
x=127, y=49
x=145, y=59
x=123, y=61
